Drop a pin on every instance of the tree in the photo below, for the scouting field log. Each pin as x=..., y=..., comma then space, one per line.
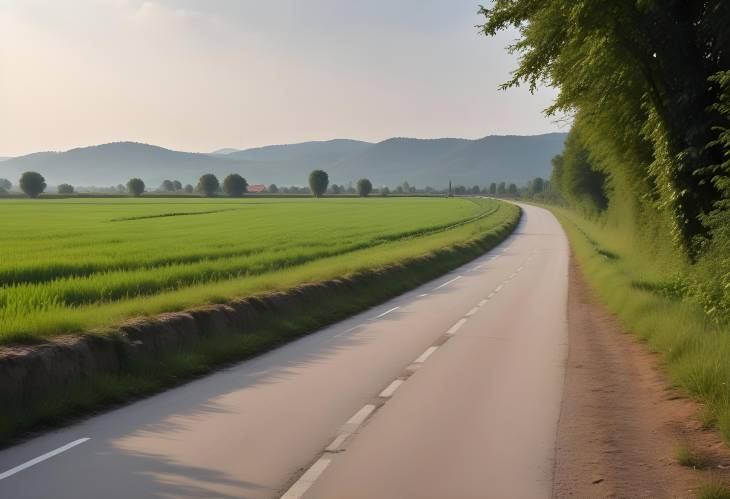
x=32, y=183
x=640, y=79
x=493, y=188
x=5, y=184
x=121, y=189
x=512, y=189
x=385, y=191
x=501, y=189
x=135, y=187
x=208, y=185
x=537, y=185
x=176, y=185
x=65, y=189
x=235, y=185
x=273, y=189
x=475, y=189
x=188, y=189
x=335, y=189
x=364, y=187
x=167, y=186
x=318, y=181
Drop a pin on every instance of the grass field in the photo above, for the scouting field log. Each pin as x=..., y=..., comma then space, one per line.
x=73, y=265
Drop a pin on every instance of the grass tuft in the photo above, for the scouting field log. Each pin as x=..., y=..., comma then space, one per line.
x=691, y=459
x=713, y=491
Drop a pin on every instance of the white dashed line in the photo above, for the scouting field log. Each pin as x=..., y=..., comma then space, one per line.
x=521, y=268
x=483, y=302
x=491, y=295
x=498, y=288
x=422, y=295
x=472, y=311
x=453, y=329
x=425, y=355
x=301, y=486
x=390, y=390
x=42, y=458
x=361, y=415
x=449, y=282
x=387, y=312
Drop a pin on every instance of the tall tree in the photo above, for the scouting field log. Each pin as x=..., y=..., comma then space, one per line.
x=32, y=183
x=318, y=181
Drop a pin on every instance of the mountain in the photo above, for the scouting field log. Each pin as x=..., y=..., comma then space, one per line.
x=225, y=150
x=421, y=162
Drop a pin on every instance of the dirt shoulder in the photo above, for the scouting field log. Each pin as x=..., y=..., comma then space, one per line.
x=621, y=424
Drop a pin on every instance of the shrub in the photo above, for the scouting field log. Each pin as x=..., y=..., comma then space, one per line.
x=208, y=184
x=235, y=185
x=318, y=181
x=135, y=186
x=364, y=187
x=65, y=189
x=33, y=184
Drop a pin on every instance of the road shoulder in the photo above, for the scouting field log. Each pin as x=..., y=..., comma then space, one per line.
x=621, y=423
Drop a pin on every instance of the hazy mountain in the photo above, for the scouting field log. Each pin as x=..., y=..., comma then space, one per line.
x=225, y=150
x=421, y=162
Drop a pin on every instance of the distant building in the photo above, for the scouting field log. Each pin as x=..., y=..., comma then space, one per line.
x=256, y=188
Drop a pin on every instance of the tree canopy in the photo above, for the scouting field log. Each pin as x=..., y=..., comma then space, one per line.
x=33, y=184
x=235, y=185
x=318, y=181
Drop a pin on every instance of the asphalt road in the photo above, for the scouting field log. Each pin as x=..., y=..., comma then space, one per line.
x=450, y=390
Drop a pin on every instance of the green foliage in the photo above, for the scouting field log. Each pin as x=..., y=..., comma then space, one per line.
x=208, y=185
x=512, y=190
x=636, y=75
x=5, y=184
x=68, y=266
x=235, y=185
x=501, y=189
x=273, y=189
x=318, y=181
x=65, y=189
x=713, y=491
x=493, y=188
x=167, y=186
x=176, y=185
x=32, y=184
x=364, y=187
x=135, y=186
x=188, y=189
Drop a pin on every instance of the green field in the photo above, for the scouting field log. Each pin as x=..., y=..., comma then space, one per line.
x=72, y=265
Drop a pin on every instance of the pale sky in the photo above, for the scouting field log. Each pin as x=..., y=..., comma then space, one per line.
x=198, y=75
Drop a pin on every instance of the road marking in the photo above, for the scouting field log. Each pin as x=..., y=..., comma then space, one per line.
x=472, y=311
x=449, y=282
x=346, y=331
x=390, y=390
x=483, y=302
x=520, y=268
x=42, y=458
x=422, y=295
x=387, y=312
x=495, y=257
x=453, y=329
x=425, y=355
x=361, y=415
x=301, y=486
x=491, y=295
x=514, y=274
x=498, y=288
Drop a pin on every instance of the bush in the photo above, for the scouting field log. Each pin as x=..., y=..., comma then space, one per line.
x=135, y=187
x=65, y=189
x=364, y=187
x=318, y=181
x=235, y=185
x=33, y=184
x=208, y=185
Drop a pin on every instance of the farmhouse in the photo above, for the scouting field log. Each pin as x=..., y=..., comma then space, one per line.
x=256, y=188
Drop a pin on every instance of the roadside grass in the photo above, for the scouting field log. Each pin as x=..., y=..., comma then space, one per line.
x=691, y=459
x=713, y=491
x=68, y=267
x=645, y=292
x=380, y=275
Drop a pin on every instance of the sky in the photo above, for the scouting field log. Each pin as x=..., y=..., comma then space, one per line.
x=199, y=75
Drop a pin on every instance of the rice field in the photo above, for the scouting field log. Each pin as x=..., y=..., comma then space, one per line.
x=71, y=265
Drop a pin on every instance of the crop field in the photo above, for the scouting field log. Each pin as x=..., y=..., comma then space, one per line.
x=72, y=265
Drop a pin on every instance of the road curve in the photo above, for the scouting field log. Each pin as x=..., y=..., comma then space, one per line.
x=450, y=390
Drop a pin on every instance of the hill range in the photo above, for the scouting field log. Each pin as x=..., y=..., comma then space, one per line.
x=420, y=162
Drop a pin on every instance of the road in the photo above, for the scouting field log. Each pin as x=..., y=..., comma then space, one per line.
x=450, y=390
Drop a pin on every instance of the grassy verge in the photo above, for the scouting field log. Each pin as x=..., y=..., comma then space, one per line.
x=645, y=293
x=378, y=278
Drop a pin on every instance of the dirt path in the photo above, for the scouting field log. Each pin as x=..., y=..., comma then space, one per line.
x=620, y=424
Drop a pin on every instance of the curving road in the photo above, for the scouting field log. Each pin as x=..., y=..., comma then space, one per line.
x=450, y=390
